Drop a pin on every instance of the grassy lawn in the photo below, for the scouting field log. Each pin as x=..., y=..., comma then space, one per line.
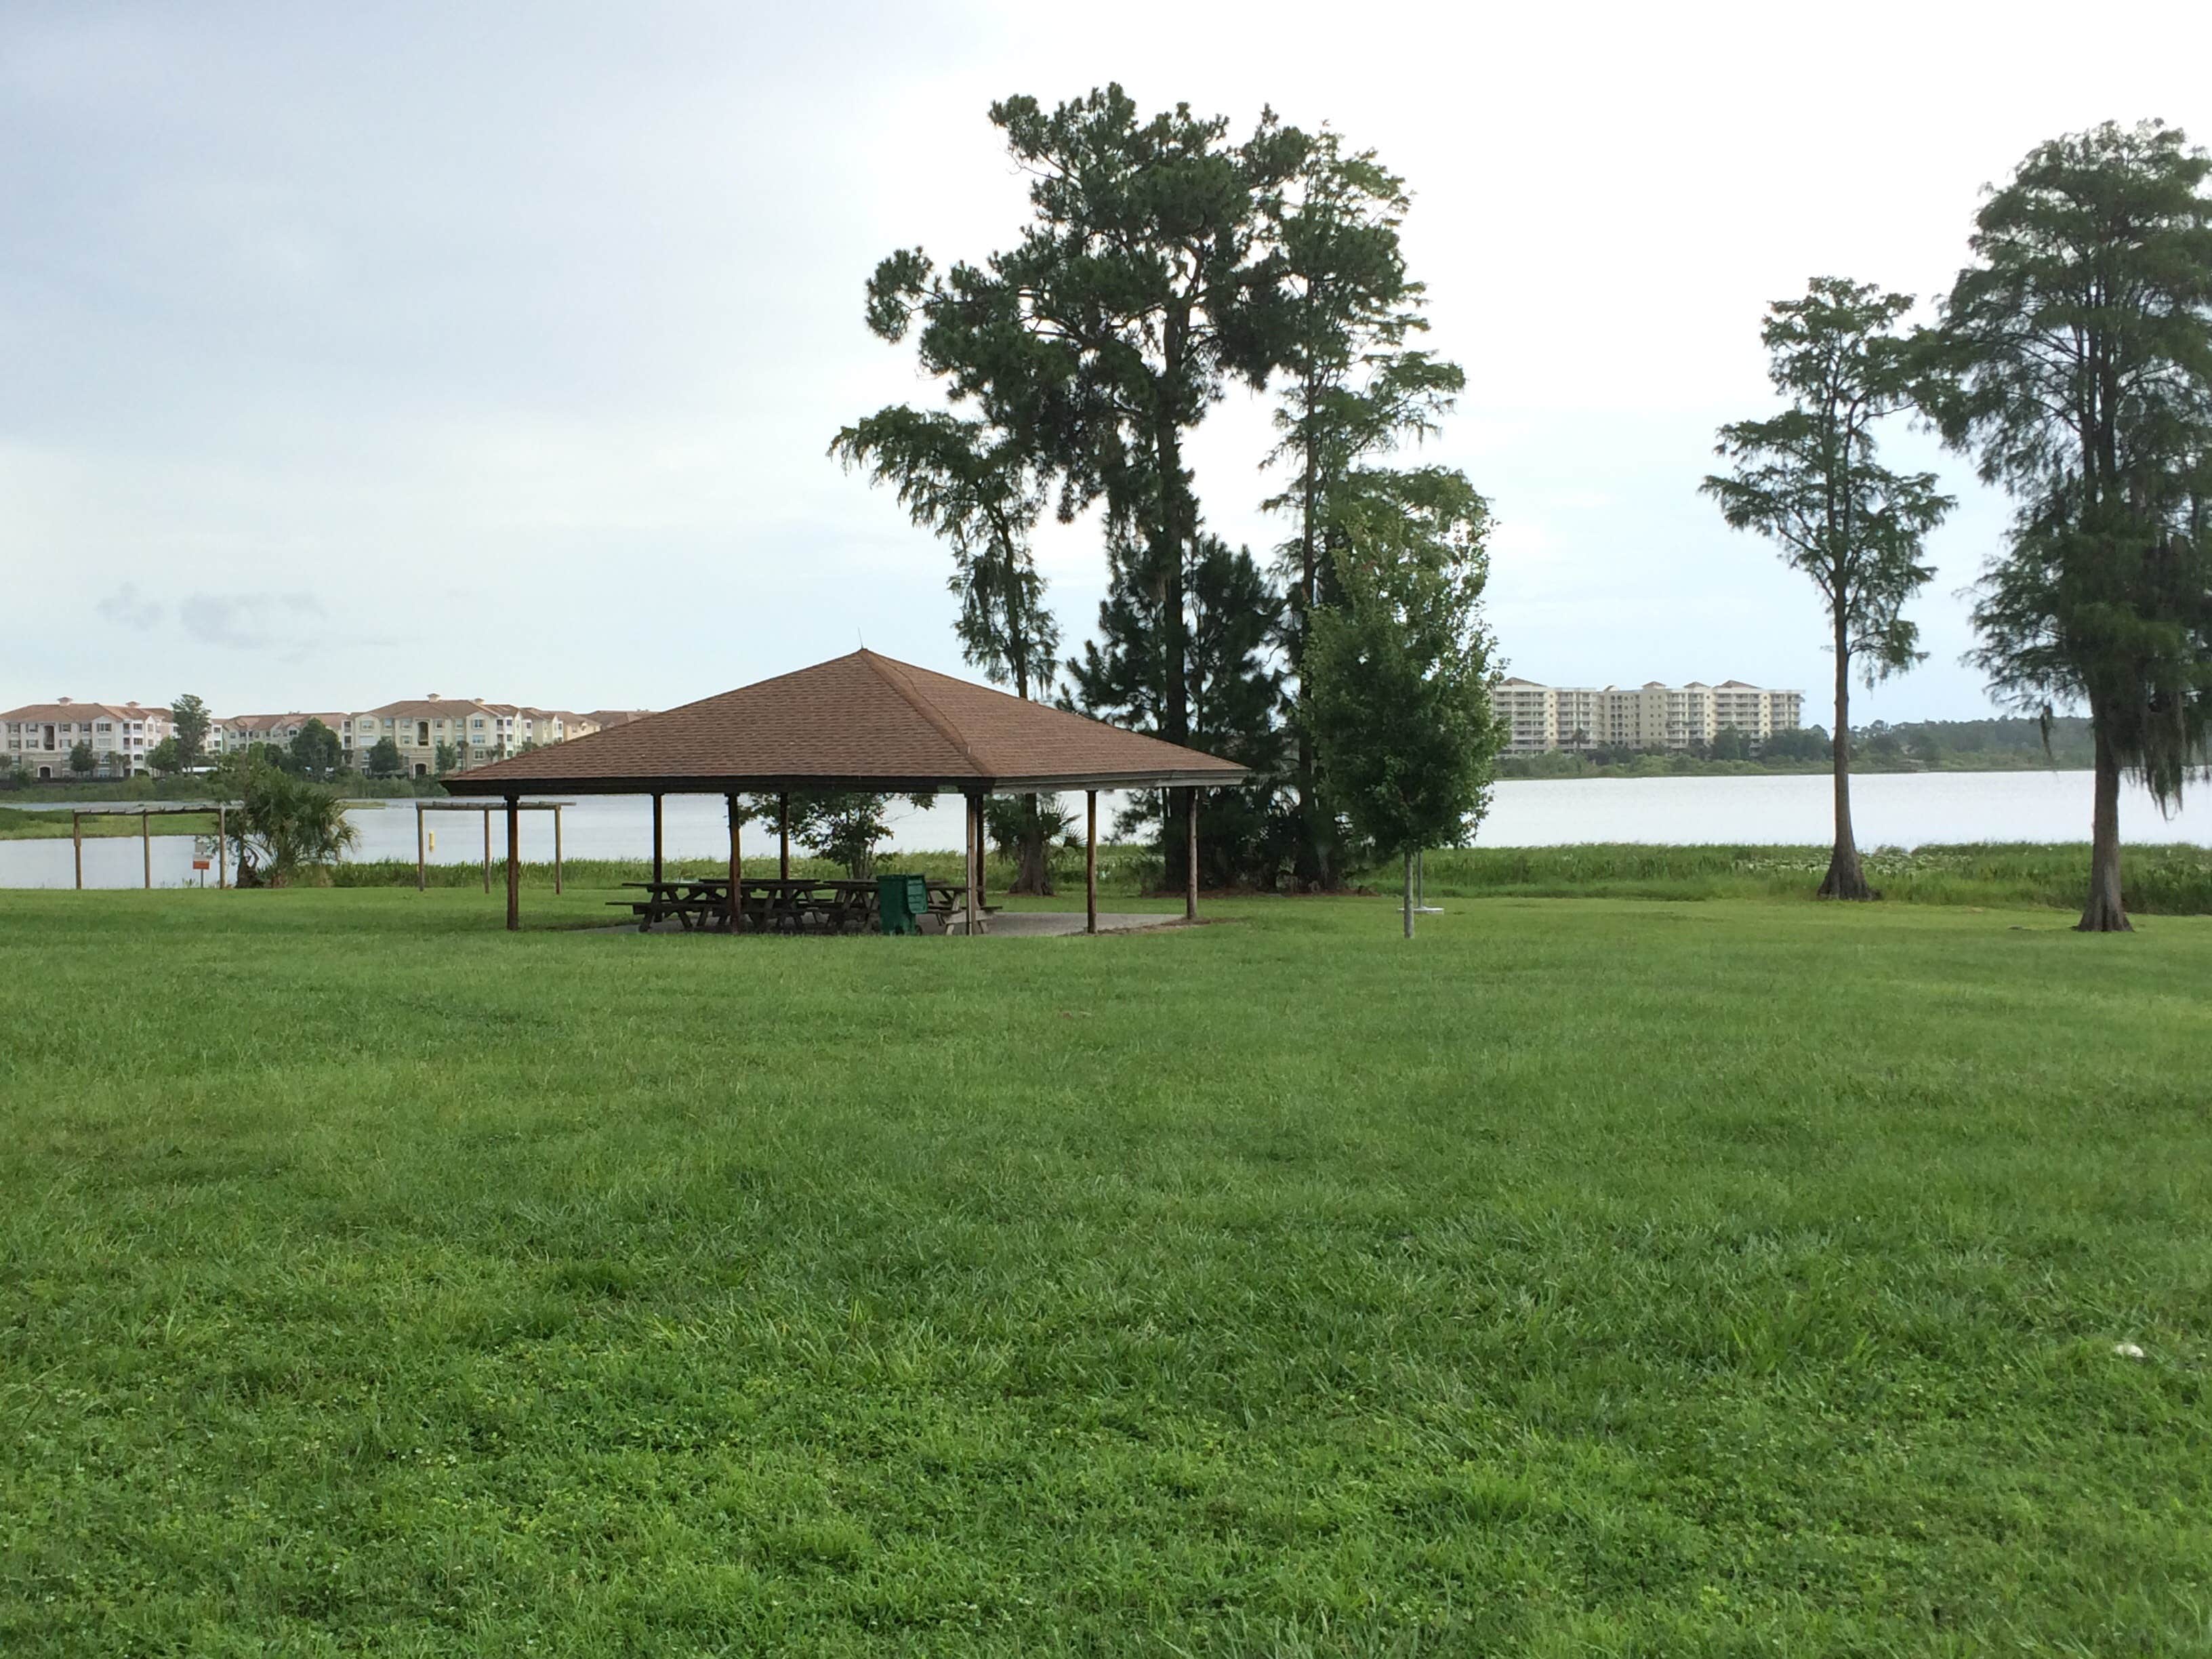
x=1602, y=1276
x=2159, y=879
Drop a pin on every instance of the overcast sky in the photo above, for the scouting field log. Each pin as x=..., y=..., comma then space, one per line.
x=351, y=353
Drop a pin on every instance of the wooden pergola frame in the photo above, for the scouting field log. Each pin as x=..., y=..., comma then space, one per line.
x=145, y=815
x=422, y=852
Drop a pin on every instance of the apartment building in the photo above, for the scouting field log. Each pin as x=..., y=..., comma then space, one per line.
x=536, y=727
x=41, y=736
x=1648, y=716
x=238, y=731
x=473, y=730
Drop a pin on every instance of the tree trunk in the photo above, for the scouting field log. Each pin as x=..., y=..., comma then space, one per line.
x=1032, y=858
x=1309, y=859
x=1844, y=880
x=2105, y=913
x=1174, y=533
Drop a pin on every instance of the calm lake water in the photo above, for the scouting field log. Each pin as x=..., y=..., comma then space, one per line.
x=1896, y=808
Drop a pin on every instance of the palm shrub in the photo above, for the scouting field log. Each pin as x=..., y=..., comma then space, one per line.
x=286, y=827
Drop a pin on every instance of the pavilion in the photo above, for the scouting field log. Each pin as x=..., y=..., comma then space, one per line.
x=858, y=722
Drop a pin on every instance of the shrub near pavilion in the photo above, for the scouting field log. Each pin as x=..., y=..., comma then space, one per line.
x=1398, y=670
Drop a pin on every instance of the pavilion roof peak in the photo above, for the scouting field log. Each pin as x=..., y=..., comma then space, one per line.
x=862, y=721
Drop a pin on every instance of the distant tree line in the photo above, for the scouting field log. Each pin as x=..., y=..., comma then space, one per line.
x=2067, y=743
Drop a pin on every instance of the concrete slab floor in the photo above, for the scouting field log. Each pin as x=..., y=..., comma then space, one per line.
x=1007, y=924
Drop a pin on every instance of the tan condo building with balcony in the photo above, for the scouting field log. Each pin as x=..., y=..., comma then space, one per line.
x=471, y=731
x=1648, y=716
x=40, y=736
x=236, y=733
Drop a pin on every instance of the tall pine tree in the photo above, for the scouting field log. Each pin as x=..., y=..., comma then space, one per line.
x=1352, y=390
x=1231, y=686
x=1143, y=285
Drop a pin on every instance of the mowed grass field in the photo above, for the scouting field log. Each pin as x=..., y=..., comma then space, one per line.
x=1584, y=1277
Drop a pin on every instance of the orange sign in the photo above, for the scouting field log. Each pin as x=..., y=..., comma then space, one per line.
x=199, y=864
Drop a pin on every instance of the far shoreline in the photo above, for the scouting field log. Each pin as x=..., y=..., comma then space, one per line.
x=1705, y=771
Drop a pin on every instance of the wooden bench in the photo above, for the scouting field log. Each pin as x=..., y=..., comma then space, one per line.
x=692, y=904
x=948, y=908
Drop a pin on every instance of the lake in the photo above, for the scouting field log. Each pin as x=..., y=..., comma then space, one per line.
x=1891, y=809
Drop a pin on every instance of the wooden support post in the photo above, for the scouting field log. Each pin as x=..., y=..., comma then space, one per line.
x=783, y=837
x=1091, y=862
x=1190, y=872
x=146, y=844
x=737, y=881
x=975, y=897
x=76, y=835
x=556, y=851
x=486, y=812
x=422, y=876
x=514, y=863
x=656, y=838
x=221, y=845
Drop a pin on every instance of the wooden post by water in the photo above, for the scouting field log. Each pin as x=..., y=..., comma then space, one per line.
x=1091, y=862
x=1190, y=874
x=556, y=849
x=514, y=863
x=422, y=876
x=222, y=846
x=76, y=835
x=783, y=837
x=486, y=812
x=656, y=837
x=146, y=844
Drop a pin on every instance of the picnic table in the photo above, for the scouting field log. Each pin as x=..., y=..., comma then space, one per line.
x=774, y=904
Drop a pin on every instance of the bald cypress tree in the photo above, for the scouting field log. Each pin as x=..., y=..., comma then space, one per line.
x=977, y=489
x=2075, y=357
x=1809, y=479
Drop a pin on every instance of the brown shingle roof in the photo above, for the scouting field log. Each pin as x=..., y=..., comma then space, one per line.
x=859, y=721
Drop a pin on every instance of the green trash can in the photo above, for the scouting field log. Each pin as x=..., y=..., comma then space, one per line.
x=901, y=902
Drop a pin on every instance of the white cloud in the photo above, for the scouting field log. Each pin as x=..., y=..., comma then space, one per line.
x=128, y=608
x=251, y=622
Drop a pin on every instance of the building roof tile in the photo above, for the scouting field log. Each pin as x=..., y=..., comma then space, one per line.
x=71, y=712
x=425, y=709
